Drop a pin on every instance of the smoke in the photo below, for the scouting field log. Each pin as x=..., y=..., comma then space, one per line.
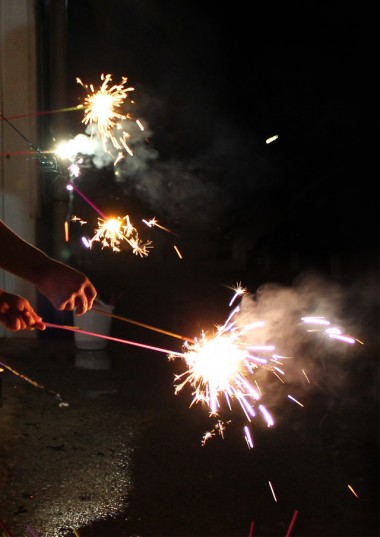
x=325, y=361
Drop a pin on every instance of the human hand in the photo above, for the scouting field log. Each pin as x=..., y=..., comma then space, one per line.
x=66, y=288
x=16, y=313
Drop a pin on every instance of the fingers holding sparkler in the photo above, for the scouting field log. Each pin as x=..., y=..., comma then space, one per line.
x=16, y=313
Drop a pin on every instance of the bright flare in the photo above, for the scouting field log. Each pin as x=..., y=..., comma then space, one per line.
x=112, y=232
x=221, y=368
x=104, y=108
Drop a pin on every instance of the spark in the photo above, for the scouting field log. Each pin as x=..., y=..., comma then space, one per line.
x=305, y=375
x=239, y=291
x=273, y=494
x=295, y=400
x=77, y=219
x=219, y=427
x=177, y=251
x=271, y=139
x=111, y=232
x=333, y=332
x=353, y=491
x=248, y=437
x=86, y=242
x=103, y=108
x=221, y=367
x=153, y=222
x=66, y=231
x=266, y=415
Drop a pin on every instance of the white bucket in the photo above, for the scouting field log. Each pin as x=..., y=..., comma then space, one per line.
x=94, y=322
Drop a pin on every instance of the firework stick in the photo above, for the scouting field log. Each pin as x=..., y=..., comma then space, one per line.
x=74, y=187
x=142, y=324
x=292, y=522
x=33, y=382
x=118, y=340
x=46, y=112
x=251, y=528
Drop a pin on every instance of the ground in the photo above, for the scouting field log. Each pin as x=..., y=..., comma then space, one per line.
x=120, y=454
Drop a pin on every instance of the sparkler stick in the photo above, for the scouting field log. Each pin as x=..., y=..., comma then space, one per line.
x=14, y=128
x=74, y=187
x=106, y=313
x=116, y=235
x=251, y=529
x=33, y=382
x=46, y=160
x=16, y=153
x=292, y=522
x=118, y=340
x=46, y=112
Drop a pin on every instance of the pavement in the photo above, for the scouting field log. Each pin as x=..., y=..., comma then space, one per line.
x=97, y=443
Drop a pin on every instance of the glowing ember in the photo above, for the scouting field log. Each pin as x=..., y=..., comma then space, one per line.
x=353, y=491
x=112, y=232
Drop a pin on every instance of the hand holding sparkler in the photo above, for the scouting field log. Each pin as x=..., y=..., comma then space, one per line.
x=16, y=313
x=65, y=287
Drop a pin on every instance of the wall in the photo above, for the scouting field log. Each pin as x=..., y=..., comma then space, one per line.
x=18, y=168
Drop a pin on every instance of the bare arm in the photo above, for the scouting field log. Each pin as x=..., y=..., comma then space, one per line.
x=65, y=287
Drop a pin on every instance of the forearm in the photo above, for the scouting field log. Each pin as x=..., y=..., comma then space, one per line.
x=65, y=287
x=21, y=258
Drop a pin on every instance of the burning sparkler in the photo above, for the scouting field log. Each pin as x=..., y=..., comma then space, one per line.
x=113, y=231
x=221, y=367
x=103, y=108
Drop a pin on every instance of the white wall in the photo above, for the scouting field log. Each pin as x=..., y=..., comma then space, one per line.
x=18, y=97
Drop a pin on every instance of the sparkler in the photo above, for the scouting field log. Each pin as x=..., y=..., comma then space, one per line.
x=103, y=108
x=112, y=232
x=221, y=367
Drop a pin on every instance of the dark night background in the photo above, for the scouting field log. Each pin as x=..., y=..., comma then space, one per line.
x=296, y=221
x=213, y=83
